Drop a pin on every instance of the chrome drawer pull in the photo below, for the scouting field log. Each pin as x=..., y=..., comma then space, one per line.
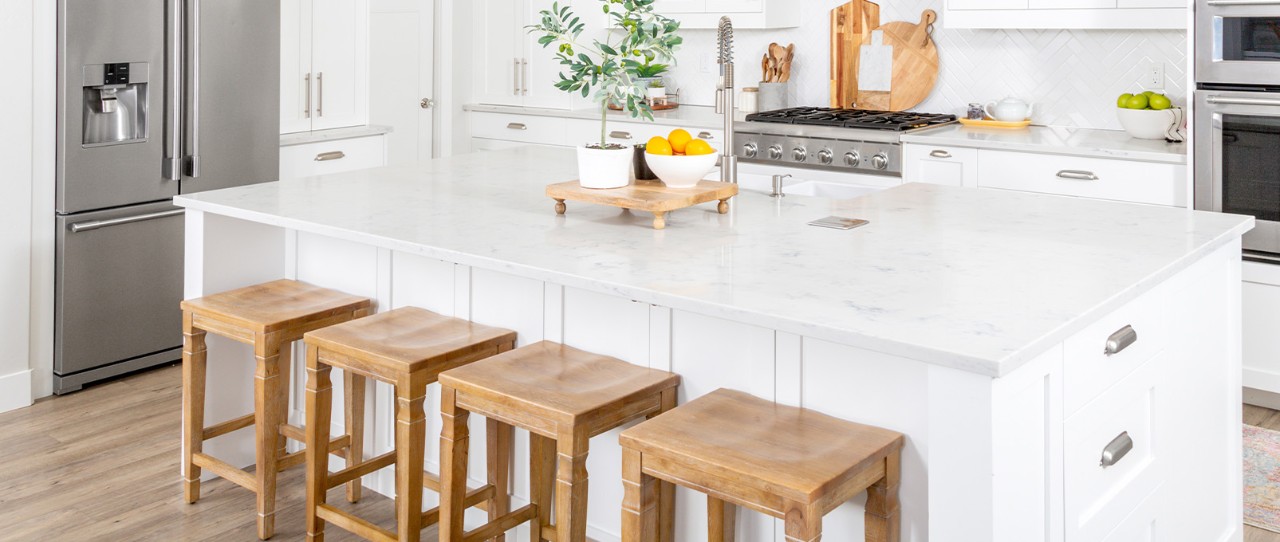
x=331, y=155
x=517, y=126
x=940, y=154
x=1116, y=450
x=1227, y=100
x=1120, y=340
x=705, y=135
x=620, y=135
x=96, y=224
x=1077, y=175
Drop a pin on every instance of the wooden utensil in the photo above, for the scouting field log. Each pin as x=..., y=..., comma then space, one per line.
x=875, y=73
x=915, y=60
x=764, y=68
x=785, y=75
x=851, y=26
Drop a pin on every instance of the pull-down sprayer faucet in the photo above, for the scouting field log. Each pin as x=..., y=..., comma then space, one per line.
x=724, y=100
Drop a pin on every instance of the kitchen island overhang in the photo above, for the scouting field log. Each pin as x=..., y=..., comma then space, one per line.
x=950, y=318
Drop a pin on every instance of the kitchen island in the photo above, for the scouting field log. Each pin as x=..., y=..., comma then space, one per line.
x=972, y=321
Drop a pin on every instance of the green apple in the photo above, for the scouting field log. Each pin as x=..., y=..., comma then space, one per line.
x=1138, y=101
x=1123, y=101
x=1148, y=93
x=1159, y=102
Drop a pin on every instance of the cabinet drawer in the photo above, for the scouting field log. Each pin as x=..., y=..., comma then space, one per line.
x=526, y=128
x=633, y=133
x=951, y=166
x=1098, y=498
x=325, y=157
x=1100, y=178
x=1141, y=525
x=1088, y=369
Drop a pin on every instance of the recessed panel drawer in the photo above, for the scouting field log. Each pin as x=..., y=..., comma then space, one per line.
x=1100, y=355
x=327, y=157
x=1100, y=178
x=525, y=128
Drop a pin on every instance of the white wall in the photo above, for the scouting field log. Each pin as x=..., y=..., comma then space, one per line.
x=15, y=205
x=1075, y=75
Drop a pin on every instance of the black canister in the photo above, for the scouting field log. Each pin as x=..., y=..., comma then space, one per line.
x=643, y=173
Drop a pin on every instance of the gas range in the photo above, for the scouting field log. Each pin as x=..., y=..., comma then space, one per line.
x=854, y=140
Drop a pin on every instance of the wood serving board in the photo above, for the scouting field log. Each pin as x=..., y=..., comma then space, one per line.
x=650, y=196
x=915, y=61
x=851, y=26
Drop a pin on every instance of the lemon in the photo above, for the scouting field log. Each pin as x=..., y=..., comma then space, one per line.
x=679, y=139
x=658, y=145
x=698, y=147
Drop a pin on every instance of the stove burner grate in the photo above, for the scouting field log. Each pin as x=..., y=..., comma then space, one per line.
x=852, y=118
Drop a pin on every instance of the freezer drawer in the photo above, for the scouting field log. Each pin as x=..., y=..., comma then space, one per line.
x=118, y=284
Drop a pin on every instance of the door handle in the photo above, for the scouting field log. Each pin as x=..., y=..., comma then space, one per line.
x=940, y=154
x=1226, y=100
x=96, y=224
x=331, y=155
x=1243, y=2
x=320, y=94
x=427, y=103
x=515, y=76
x=193, y=50
x=1116, y=450
x=524, y=76
x=172, y=166
x=617, y=134
x=1120, y=340
x=1077, y=175
x=306, y=112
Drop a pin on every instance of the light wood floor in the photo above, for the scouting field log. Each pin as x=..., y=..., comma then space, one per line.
x=102, y=464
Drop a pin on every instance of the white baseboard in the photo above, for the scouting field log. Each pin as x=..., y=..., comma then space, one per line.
x=15, y=390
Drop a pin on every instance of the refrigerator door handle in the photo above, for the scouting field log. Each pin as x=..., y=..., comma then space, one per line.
x=171, y=169
x=193, y=67
x=96, y=224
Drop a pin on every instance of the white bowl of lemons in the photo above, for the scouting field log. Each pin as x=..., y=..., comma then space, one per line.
x=1146, y=116
x=679, y=160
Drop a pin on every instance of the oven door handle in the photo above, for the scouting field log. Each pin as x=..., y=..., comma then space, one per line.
x=1243, y=3
x=1227, y=100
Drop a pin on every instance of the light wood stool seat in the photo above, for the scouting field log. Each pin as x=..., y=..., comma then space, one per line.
x=561, y=395
x=407, y=348
x=269, y=317
x=787, y=462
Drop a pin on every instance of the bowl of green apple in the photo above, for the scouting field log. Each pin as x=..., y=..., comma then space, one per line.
x=1147, y=115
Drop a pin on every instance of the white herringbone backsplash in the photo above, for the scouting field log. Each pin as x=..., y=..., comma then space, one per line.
x=1073, y=76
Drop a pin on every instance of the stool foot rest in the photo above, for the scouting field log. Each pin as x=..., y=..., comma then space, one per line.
x=336, y=447
x=351, y=473
x=502, y=524
x=227, y=427
x=354, y=524
x=232, y=474
x=478, y=497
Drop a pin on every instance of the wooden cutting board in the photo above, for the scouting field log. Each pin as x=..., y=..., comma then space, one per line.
x=851, y=26
x=915, y=61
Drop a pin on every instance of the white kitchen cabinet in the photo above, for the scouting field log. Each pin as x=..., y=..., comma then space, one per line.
x=1082, y=14
x=582, y=131
x=509, y=66
x=746, y=14
x=337, y=156
x=490, y=131
x=324, y=68
x=933, y=164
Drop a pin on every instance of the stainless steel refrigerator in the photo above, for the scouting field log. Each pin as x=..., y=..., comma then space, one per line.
x=155, y=98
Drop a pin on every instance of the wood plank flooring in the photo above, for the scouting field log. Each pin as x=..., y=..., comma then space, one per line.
x=102, y=464
x=1270, y=419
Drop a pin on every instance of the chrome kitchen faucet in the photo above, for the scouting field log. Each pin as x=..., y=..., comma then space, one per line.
x=724, y=100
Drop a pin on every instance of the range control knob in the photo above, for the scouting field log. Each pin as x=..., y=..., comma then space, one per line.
x=750, y=150
x=852, y=158
x=775, y=152
x=799, y=154
x=825, y=156
x=880, y=161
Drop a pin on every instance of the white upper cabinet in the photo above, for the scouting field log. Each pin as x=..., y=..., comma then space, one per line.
x=324, y=68
x=1084, y=14
x=696, y=14
x=510, y=67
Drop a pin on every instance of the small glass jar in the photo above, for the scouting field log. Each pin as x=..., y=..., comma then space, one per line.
x=749, y=100
x=976, y=112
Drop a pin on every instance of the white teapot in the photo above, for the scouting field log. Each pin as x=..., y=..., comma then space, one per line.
x=1009, y=110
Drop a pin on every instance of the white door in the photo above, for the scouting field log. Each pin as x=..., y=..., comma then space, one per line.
x=497, y=47
x=401, y=43
x=295, y=66
x=540, y=66
x=339, y=62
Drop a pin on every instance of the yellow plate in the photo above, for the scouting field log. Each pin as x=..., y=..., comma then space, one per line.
x=995, y=123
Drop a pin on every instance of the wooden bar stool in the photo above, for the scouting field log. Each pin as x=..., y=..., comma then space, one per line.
x=407, y=348
x=563, y=397
x=269, y=317
x=790, y=463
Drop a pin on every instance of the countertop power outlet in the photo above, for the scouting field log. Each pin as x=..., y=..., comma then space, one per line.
x=1155, y=76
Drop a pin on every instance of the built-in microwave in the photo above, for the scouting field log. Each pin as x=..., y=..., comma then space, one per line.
x=1237, y=42
x=1237, y=162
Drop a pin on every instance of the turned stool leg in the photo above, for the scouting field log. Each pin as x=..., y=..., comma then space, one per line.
x=883, y=522
x=721, y=520
x=803, y=522
x=286, y=368
x=319, y=409
x=542, y=468
x=268, y=394
x=571, y=488
x=455, y=439
x=354, y=393
x=499, y=438
x=666, y=490
x=411, y=443
x=639, y=500
x=194, y=362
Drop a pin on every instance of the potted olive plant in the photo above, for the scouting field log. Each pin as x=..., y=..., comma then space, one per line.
x=607, y=71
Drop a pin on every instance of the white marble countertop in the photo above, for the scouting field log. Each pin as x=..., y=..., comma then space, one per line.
x=333, y=134
x=686, y=116
x=1054, y=140
x=979, y=280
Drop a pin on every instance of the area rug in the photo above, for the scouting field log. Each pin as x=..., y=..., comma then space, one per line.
x=1262, y=478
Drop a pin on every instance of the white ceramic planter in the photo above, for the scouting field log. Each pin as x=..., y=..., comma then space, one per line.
x=657, y=93
x=604, y=168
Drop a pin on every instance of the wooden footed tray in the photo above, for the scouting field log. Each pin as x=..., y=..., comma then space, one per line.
x=650, y=196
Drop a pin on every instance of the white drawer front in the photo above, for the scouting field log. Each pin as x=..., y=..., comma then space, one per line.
x=1100, y=178
x=1099, y=498
x=951, y=166
x=328, y=157
x=1088, y=369
x=526, y=128
x=632, y=133
x=1141, y=525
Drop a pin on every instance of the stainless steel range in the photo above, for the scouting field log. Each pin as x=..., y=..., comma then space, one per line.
x=852, y=140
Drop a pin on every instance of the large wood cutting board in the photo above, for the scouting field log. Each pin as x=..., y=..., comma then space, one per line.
x=851, y=26
x=915, y=61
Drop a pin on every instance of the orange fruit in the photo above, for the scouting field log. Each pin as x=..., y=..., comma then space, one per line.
x=679, y=138
x=658, y=145
x=697, y=147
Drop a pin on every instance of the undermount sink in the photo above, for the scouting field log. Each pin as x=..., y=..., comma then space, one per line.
x=828, y=190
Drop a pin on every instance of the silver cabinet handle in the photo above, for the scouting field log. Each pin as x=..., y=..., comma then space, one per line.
x=1120, y=340
x=172, y=166
x=1116, y=450
x=331, y=155
x=1224, y=100
x=705, y=135
x=95, y=224
x=320, y=94
x=618, y=134
x=524, y=76
x=306, y=113
x=515, y=77
x=940, y=154
x=517, y=126
x=1077, y=175
x=193, y=67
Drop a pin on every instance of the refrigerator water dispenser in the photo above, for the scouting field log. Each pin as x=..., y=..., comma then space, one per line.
x=115, y=103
